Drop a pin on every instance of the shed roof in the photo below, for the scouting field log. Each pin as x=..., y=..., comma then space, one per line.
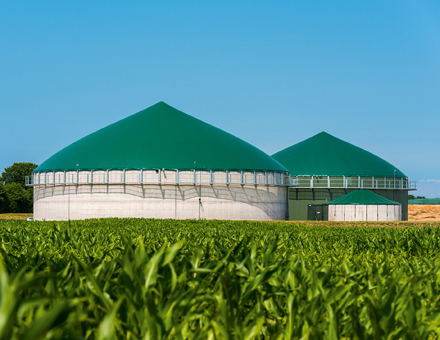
x=160, y=137
x=326, y=155
x=362, y=197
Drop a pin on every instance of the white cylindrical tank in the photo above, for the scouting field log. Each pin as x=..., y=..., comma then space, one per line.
x=364, y=212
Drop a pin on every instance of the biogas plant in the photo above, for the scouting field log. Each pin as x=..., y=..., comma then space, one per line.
x=160, y=163
x=163, y=163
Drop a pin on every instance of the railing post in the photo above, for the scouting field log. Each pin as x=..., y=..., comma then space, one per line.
x=123, y=176
x=255, y=178
x=177, y=176
x=53, y=172
x=241, y=177
x=64, y=177
x=359, y=181
x=108, y=180
x=328, y=181
x=91, y=176
x=372, y=182
x=210, y=177
x=311, y=182
x=77, y=176
x=195, y=176
x=343, y=182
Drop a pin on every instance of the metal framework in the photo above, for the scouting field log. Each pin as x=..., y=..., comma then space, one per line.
x=195, y=177
x=352, y=182
x=160, y=176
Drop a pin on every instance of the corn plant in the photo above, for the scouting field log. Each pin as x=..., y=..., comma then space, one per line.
x=165, y=279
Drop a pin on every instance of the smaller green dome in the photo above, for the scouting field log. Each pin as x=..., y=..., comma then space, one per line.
x=361, y=197
x=325, y=155
x=160, y=137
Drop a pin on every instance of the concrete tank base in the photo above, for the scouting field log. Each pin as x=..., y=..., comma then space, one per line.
x=243, y=202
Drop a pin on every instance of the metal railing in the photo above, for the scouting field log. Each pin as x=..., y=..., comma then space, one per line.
x=160, y=176
x=357, y=182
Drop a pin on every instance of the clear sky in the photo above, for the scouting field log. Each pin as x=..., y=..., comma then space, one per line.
x=270, y=72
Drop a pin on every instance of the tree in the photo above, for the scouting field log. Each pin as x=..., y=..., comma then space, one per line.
x=17, y=172
x=15, y=197
x=4, y=203
x=412, y=197
x=18, y=198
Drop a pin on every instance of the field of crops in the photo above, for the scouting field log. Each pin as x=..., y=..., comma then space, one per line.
x=160, y=279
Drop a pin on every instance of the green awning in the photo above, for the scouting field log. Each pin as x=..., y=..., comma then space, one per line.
x=362, y=197
x=161, y=137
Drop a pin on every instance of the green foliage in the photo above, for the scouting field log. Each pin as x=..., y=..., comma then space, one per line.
x=15, y=197
x=4, y=203
x=17, y=172
x=412, y=197
x=165, y=279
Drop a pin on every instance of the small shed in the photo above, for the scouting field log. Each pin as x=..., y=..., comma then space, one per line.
x=363, y=205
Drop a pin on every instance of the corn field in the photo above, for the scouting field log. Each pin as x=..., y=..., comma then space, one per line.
x=164, y=279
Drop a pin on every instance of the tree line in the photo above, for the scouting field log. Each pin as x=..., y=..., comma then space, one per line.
x=15, y=197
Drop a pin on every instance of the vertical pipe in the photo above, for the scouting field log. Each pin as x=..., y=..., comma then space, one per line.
x=210, y=176
x=123, y=176
x=241, y=176
x=265, y=178
x=53, y=177
x=91, y=176
x=64, y=177
x=107, y=177
x=160, y=176
x=227, y=177
x=141, y=178
x=195, y=176
x=255, y=178
x=178, y=176
x=77, y=176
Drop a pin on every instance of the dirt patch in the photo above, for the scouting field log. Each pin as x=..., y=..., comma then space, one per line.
x=14, y=216
x=423, y=212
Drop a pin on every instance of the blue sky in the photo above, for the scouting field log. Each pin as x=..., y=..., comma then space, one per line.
x=271, y=73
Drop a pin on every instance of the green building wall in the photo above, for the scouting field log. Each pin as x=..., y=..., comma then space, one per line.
x=299, y=199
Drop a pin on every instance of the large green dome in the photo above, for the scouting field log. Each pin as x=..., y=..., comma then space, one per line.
x=160, y=137
x=325, y=155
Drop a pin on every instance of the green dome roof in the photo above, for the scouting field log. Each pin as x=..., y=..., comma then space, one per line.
x=325, y=155
x=361, y=197
x=160, y=137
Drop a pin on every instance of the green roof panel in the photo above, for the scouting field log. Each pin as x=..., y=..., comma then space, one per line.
x=160, y=137
x=361, y=197
x=325, y=155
